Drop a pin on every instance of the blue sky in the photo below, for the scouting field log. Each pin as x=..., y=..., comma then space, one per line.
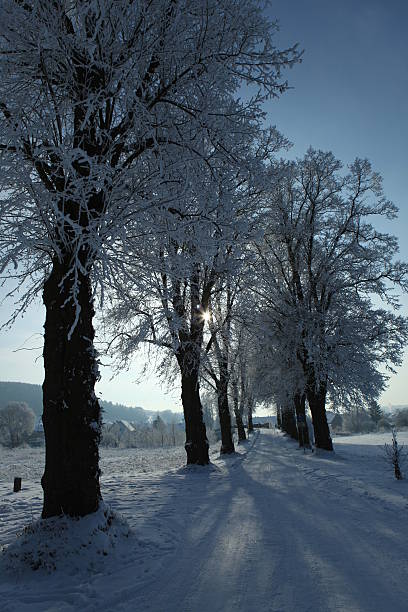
x=350, y=95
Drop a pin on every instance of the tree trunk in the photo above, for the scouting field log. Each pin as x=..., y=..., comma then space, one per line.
x=196, y=437
x=279, y=417
x=238, y=413
x=72, y=416
x=227, y=443
x=250, y=423
x=317, y=403
x=289, y=422
x=240, y=425
x=303, y=431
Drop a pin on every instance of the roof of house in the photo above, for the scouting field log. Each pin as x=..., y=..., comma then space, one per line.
x=125, y=424
x=330, y=416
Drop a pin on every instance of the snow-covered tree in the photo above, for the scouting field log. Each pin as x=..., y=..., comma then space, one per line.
x=166, y=304
x=243, y=354
x=248, y=347
x=97, y=98
x=320, y=264
x=228, y=312
x=190, y=253
x=395, y=454
x=217, y=369
x=16, y=423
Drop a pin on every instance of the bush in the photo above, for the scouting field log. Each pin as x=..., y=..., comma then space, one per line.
x=395, y=454
x=16, y=423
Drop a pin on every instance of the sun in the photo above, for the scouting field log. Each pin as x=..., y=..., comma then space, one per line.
x=205, y=315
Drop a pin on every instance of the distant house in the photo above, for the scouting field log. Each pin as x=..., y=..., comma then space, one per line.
x=334, y=420
x=39, y=427
x=37, y=437
x=267, y=422
x=121, y=427
x=336, y=423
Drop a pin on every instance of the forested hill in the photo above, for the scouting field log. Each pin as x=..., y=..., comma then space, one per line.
x=32, y=395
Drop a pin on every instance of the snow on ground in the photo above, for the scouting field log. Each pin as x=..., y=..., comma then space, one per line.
x=272, y=529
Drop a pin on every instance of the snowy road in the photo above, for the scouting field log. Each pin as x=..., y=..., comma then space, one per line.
x=267, y=539
x=271, y=530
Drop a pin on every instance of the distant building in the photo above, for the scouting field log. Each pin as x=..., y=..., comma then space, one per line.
x=37, y=437
x=330, y=416
x=336, y=423
x=39, y=427
x=121, y=427
x=268, y=422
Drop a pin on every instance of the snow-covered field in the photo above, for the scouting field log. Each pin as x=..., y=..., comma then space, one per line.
x=270, y=529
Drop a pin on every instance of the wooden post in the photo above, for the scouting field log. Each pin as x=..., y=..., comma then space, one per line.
x=17, y=485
